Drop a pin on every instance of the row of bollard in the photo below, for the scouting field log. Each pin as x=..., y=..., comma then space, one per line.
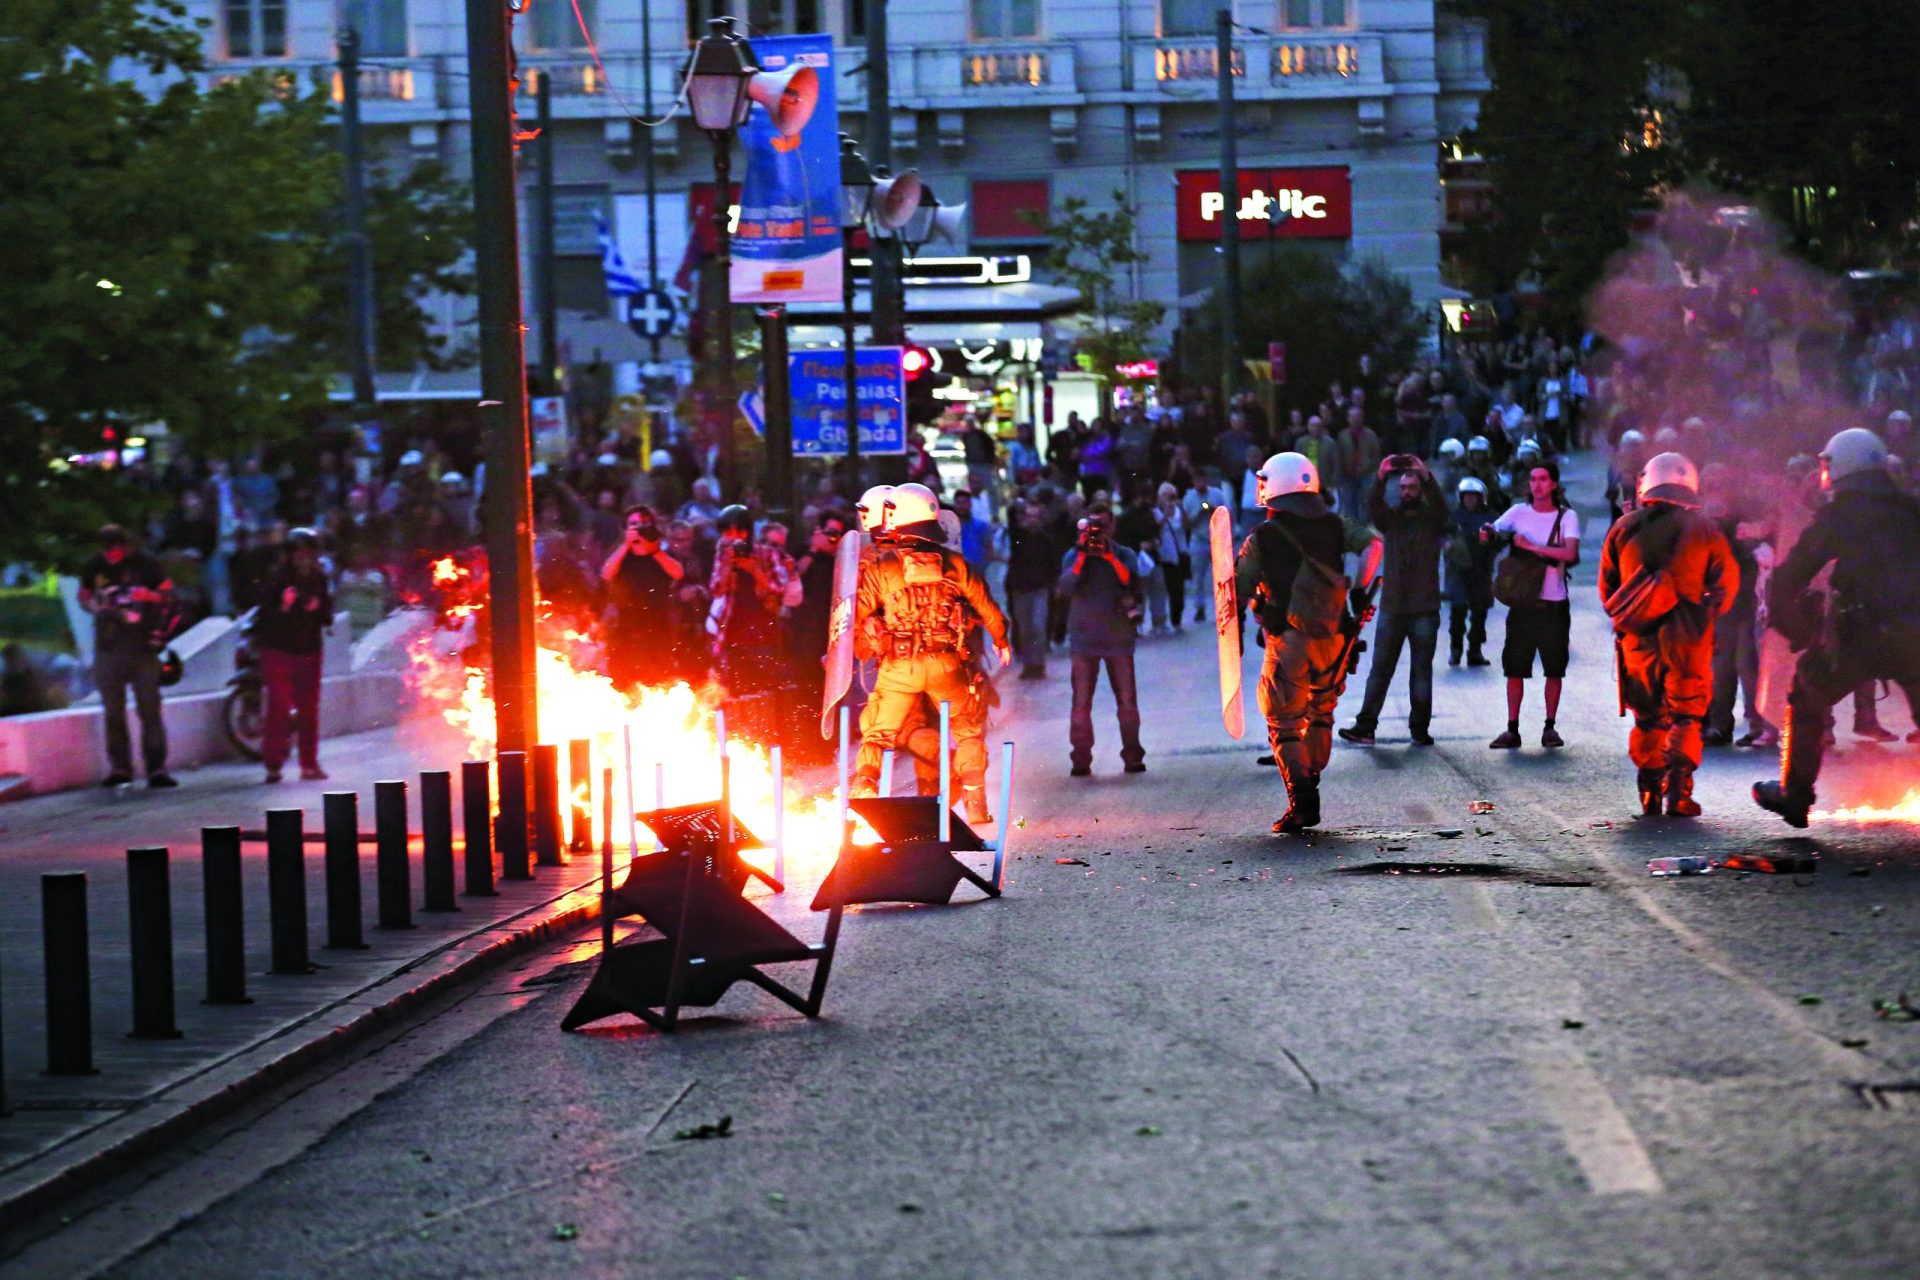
x=518, y=841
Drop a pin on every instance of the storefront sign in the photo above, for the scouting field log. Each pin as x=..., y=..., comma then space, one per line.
x=1281, y=204
x=819, y=386
x=1138, y=369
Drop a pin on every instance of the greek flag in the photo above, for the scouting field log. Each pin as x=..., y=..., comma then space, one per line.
x=620, y=281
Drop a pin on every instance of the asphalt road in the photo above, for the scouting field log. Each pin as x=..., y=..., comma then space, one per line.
x=1207, y=1052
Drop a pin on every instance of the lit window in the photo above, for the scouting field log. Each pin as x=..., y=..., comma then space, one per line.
x=1309, y=14
x=382, y=25
x=1005, y=19
x=256, y=28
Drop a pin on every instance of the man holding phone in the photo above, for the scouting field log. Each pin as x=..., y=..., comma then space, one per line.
x=1406, y=506
x=641, y=576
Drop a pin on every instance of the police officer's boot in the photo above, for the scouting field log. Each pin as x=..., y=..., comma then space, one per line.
x=1306, y=799
x=1790, y=803
x=973, y=802
x=1680, y=801
x=863, y=787
x=1652, y=786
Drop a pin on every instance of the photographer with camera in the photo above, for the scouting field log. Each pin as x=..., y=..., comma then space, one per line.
x=128, y=594
x=641, y=576
x=289, y=630
x=1407, y=508
x=1103, y=612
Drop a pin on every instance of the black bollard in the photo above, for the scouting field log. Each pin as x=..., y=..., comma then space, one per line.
x=436, y=840
x=226, y=923
x=150, y=938
x=579, y=770
x=342, y=814
x=476, y=821
x=63, y=937
x=287, y=891
x=510, y=828
x=393, y=878
x=546, y=805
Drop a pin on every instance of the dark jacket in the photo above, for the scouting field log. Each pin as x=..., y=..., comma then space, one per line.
x=1870, y=533
x=296, y=622
x=1410, y=571
x=1033, y=559
x=1270, y=559
x=1098, y=623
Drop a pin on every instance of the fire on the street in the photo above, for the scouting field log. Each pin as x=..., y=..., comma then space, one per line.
x=674, y=736
x=1907, y=809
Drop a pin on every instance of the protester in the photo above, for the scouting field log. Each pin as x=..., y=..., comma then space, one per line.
x=1102, y=613
x=1544, y=534
x=976, y=534
x=641, y=575
x=1033, y=564
x=1736, y=636
x=128, y=594
x=1171, y=553
x=289, y=631
x=1198, y=507
x=1412, y=525
x=1359, y=459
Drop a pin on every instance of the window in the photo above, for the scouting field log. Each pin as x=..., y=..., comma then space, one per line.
x=856, y=20
x=554, y=26
x=1309, y=14
x=1005, y=19
x=382, y=25
x=784, y=17
x=256, y=28
x=1187, y=17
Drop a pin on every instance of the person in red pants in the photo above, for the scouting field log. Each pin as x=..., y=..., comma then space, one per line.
x=296, y=608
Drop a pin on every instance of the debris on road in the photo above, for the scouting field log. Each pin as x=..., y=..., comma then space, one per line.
x=1480, y=806
x=724, y=1129
x=1571, y=1024
x=1810, y=1000
x=1450, y=833
x=566, y=1231
x=1071, y=862
x=1147, y=1131
x=1773, y=864
x=1901, y=1009
x=1687, y=865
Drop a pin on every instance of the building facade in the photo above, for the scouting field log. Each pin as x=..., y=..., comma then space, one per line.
x=1010, y=105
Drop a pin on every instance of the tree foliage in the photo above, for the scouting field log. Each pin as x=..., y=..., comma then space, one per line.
x=1091, y=251
x=1329, y=315
x=171, y=256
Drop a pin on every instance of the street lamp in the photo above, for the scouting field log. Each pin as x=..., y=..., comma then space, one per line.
x=856, y=199
x=931, y=220
x=718, y=77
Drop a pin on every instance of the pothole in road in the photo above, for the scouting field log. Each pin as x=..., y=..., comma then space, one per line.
x=1462, y=870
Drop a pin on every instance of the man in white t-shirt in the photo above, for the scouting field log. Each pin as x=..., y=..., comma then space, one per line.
x=1544, y=628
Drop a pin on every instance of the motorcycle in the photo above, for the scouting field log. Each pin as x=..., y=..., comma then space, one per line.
x=244, y=717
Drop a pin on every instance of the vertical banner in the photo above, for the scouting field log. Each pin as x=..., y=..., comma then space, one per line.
x=786, y=247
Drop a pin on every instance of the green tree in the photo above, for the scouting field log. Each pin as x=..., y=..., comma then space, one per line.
x=1565, y=136
x=1328, y=315
x=1820, y=122
x=1091, y=251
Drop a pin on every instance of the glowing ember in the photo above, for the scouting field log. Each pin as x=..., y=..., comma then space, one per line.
x=673, y=732
x=1906, y=810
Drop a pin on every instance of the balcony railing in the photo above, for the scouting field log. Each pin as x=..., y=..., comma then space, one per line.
x=1193, y=61
x=1294, y=58
x=572, y=78
x=1336, y=64
x=1005, y=67
x=379, y=84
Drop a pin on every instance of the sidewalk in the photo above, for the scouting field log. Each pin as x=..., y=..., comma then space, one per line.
x=67, y=1130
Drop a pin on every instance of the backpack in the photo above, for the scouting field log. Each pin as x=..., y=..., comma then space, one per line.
x=1644, y=601
x=1317, y=601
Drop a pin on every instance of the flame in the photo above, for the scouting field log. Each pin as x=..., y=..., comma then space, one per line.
x=1907, y=809
x=674, y=737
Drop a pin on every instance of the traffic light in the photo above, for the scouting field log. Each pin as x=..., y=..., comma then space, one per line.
x=915, y=362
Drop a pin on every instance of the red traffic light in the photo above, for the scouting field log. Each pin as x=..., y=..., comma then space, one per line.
x=915, y=361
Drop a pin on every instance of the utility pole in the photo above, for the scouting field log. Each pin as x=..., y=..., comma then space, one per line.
x=503, y=376
x=646, y=111
x=549, y=380
x=359, y=247
x=1229, y=215
x=779, y=412
x=884, y=305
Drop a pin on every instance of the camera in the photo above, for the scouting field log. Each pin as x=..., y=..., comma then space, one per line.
x=1093, y=536
x=1402, y=462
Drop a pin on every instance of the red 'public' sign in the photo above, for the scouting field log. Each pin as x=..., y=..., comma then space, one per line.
x=1317, y=202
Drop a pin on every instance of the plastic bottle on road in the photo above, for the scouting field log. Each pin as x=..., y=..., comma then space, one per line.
x=1690, y=865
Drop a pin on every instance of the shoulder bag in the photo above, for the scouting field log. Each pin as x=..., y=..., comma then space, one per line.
x=1317, y=602
x=1521, y=576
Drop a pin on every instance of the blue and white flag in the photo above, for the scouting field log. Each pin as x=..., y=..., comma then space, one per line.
x=621, y=283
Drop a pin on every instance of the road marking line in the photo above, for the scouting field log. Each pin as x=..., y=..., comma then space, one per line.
x=1596, y=1133
x=1472, y=906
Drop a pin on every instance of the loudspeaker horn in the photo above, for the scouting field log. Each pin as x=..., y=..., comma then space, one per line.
x=894, y=200
x=789, y=96
x=949, y=220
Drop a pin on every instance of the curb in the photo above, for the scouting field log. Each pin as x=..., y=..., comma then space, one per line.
x=176, y=1113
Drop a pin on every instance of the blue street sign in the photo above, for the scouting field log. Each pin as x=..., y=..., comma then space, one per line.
x=753, y=407
x=818, y=380
x=651, y=313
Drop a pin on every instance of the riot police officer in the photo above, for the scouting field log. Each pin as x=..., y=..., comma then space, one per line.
x=1870, y=628
x=1288, y=568
x=913, y=610
x=919, y=739
x=1679, y=574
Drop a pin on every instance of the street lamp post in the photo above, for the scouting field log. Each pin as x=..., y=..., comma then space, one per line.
x=717, y=81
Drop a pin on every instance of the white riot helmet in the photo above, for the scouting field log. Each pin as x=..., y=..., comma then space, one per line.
x=1630, y=438
x=1472, y=485
x=1286, y=473
x=1451, y=448
x=1528, y=448
x=910, y=504
x=1669, y=477
x=1853, y=452
x=1479, y=445
x=872, y=508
